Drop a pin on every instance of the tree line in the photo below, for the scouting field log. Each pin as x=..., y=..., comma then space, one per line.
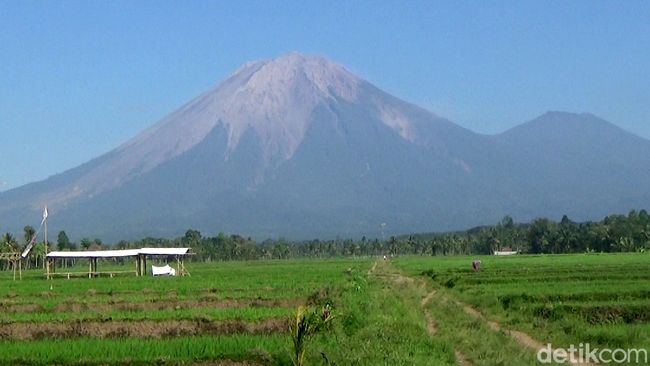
x=615, y=233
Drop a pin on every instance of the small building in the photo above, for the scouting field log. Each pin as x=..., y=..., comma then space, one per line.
x=505, y=251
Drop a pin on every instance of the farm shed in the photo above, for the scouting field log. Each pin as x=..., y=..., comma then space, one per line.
x=140, y=256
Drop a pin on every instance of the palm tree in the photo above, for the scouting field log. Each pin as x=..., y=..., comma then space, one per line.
x=9, y=243
x=28, y=233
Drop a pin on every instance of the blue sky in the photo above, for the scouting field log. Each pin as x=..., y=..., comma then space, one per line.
x=78, y=78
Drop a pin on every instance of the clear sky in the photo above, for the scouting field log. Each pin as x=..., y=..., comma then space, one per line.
x=78, y=78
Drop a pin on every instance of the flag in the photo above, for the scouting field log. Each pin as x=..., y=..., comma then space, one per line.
x=45, y=213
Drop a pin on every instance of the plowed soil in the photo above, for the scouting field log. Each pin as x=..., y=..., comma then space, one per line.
x=140, y=328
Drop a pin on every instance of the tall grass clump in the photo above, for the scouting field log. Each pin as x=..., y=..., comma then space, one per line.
x=308, y=322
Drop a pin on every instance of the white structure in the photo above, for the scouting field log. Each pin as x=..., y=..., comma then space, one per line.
x=505, y=252
x=140, y=263
x=166, y=270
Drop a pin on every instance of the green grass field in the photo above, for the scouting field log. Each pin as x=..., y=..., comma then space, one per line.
x=600, y=299
x=406, y=311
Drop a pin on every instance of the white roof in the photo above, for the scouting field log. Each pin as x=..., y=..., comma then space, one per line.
x=95, y=254
x=164, y=251
x=119, y=253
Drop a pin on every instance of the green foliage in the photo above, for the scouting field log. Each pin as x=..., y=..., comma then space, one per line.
x=62, y=241
x=307, y=323
x=28, y=233
x=615, y=233
x=8, y=243
x=561, y=299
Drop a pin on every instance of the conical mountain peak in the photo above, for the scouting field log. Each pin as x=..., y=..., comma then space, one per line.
x=325, y=78
x=273, y=99
x=298, y=145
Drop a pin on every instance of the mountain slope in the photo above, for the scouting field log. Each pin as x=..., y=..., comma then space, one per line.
x=577, y=164
x=300, y=147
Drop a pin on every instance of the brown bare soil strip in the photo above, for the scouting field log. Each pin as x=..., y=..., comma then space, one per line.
x=164, y=304
x=167, y=304
x=147, y=291
x=7, y=307
x=461, y=359
x=431, y=324
x=139, y=328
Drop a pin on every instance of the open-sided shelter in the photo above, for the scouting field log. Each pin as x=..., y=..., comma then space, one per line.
x=140, y=255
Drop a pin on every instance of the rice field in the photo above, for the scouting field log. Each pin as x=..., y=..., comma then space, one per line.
x=600, y=299
x=227, y=312
x=403, y=311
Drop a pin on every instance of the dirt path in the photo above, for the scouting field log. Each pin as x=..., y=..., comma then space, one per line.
x=432, y=329
x=522, y=338
x=225, y=363
x=372, y=269
x=461, y=359
x=431, y=324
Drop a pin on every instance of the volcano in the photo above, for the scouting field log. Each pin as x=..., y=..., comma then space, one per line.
x=300, y=147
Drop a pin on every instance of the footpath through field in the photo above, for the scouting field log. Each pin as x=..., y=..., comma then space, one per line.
x=475, y=338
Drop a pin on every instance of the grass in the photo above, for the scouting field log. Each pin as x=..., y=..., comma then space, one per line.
x=138, y=351
x=603, y=300
x=381, y=323
x=409, y=311
x=239, y=313
x=242, y=291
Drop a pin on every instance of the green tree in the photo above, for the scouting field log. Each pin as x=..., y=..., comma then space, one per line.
x=541, y=235
x=28, y=233
x=62, y=241
x=192, y=238
x=86, y=243
x=9, y=243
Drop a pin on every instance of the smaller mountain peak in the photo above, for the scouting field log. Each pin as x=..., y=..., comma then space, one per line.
x=563, y=117
x=557, y=114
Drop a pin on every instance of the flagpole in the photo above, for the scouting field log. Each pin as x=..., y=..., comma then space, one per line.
x=47, y=263
x=46, y=233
